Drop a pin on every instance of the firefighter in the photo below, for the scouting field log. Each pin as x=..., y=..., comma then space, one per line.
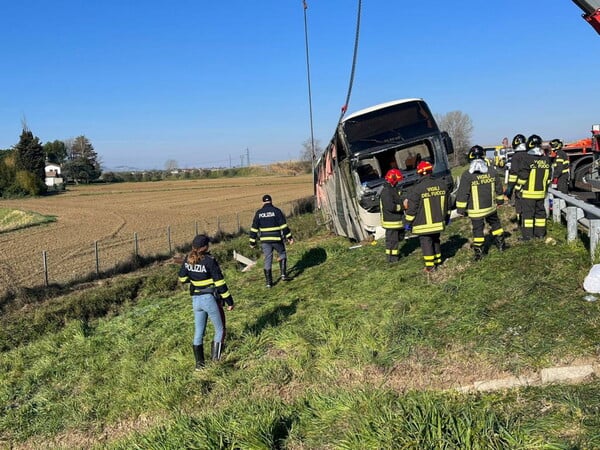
x=391, y=213
x=519, y=148
x=479, y=191
x=270, y=227
x=560, y=166
x=426, y=214
x=533, y=179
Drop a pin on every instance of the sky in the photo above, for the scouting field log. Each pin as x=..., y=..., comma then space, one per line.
x=224, y=83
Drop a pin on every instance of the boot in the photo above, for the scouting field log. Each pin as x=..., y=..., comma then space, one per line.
x=215, y=351
x=500, y=243
x=283, y=270
x=269, y=277
x=199, y=355
x=478, y=253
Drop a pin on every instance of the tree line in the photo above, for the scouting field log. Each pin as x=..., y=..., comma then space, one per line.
x=22, y=167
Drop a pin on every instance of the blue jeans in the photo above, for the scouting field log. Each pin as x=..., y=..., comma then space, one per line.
x=268, y=247
x=205, y=306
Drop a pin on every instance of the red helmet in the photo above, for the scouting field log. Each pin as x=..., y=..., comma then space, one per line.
x=393, y=176
x=424, y=167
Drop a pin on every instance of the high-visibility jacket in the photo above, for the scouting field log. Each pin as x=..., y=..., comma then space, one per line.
x=479, y=193
x=427, y=210
x=269, y=225
x=560, y=166
x=534, y=176
x=390, y=207
x=205, y=277
x=515, y=164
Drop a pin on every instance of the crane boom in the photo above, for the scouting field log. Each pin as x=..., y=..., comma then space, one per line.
x=591, y=12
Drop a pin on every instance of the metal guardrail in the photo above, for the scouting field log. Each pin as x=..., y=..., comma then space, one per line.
x=579, y=215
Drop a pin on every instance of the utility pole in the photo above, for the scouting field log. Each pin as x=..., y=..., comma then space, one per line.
x=248, y=156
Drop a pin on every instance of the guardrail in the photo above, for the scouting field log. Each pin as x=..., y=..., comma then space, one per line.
x=579, y=215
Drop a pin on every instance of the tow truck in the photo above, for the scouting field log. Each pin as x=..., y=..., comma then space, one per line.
x=591, y=12
x=584, y=162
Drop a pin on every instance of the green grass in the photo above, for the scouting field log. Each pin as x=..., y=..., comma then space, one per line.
x=353, y=353
x=14, y=219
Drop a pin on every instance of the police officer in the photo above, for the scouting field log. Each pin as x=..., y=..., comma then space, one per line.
x=533, y=178
x=270, y=228
x=391, y=213
x=560, y=166
x=427, y=214
x=479, y=191
x=201, y=270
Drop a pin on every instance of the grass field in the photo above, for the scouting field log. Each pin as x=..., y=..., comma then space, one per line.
x=112, y=214
x=354, y=353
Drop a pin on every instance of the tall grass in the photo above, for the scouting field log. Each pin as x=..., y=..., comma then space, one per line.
x=353, y=353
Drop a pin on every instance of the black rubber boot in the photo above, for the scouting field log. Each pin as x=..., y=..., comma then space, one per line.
x=478, y=253
x=283, y=270
x=199, y=355
x=269, y=277
x=215, y=351
x=500, y=243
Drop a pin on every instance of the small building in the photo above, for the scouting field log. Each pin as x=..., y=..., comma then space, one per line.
x=53, y=175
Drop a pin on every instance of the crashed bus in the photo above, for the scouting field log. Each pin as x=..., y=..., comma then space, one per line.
x=350, y=173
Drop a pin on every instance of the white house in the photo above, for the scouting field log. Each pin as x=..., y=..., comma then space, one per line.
x=53, y=176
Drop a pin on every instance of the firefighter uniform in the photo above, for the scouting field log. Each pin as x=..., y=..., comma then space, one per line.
x=270, y=228
x=560, y=171
x=427, y=214
x=479, y=193
x=533, y=179
x=392, y=214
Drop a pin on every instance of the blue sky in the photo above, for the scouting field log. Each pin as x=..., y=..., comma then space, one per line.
x=206, y=83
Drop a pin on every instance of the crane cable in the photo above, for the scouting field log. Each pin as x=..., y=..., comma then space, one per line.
x=345, y=107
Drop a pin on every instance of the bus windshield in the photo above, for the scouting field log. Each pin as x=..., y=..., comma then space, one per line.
x=399, y=122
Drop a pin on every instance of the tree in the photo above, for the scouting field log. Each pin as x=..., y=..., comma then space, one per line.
x=30, y=155
x=460, y=128
x=56, y=152
x=83, y=165
x=307, y=153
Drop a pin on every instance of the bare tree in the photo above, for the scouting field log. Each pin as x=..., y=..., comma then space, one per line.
x=460, y=128
x=170, y=165
x=307, y=153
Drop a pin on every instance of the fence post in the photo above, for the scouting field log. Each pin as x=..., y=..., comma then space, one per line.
x=218, y=225
x=239, y=226
x=594, y=237
x=573, y=215
x=135, y=244
x=45, y=259
x=169, y=239
x=557, y=206
x=97, y=258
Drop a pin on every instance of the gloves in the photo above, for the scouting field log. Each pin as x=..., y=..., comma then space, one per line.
x=461, y=212
x=407, y=227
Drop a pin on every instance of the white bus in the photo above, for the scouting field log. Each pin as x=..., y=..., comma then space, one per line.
x=350, y=173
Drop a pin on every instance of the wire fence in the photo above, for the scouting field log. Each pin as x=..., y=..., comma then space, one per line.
x=72, y=264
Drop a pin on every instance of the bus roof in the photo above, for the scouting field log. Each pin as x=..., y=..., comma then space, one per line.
x=381, y=106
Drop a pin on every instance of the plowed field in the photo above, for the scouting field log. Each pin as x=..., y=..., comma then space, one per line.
x=121, y=218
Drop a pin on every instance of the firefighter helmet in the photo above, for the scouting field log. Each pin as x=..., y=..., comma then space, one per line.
x=394, y=176
x=476, y=152
x=556, y=144
x=424, y=167
x=534, y=141
x=518, y=140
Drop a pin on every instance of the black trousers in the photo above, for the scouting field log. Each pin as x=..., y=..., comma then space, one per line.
x=479, y=224
x=431, y=248
x=533, y=218
x=393, y=236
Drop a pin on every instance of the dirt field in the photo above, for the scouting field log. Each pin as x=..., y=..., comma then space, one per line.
x=120, y=218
